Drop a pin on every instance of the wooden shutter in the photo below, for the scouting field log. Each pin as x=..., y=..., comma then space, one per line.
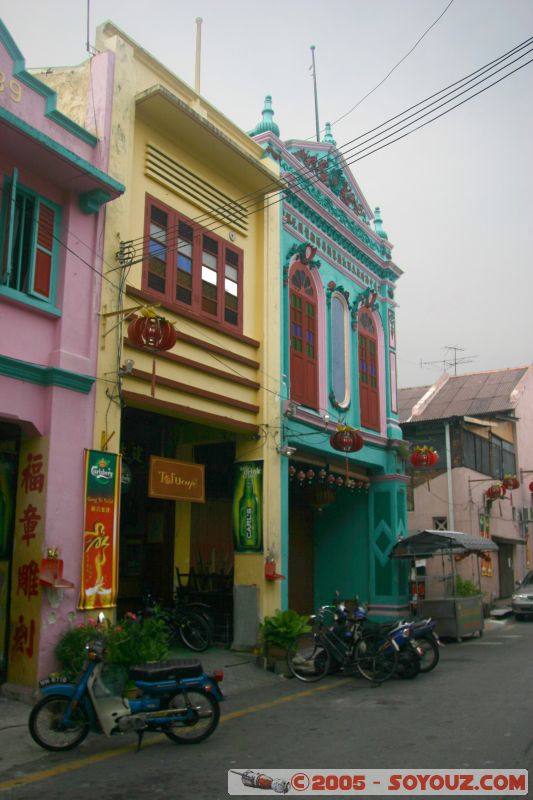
x=368, y=372
x=44, y=246
x=10, y=218
x=304, y=340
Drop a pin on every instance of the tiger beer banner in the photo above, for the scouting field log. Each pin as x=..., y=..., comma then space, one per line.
x=99, y=571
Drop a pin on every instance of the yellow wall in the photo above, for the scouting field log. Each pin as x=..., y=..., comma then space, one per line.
x=193, y=134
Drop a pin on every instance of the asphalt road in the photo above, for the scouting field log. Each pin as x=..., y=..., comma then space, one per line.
x=474, y=711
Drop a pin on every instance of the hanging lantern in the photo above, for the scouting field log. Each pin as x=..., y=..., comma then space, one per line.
x=531, y=487
x=310, y=474
x=346, y=439
x=511, y=482
x=339, y=480
x=301, y=476
x=292, y=472
x=321, y=497
x=331, y=479
x=154, y=332
x=322, y=475
x=495, y=491
x=424, y=457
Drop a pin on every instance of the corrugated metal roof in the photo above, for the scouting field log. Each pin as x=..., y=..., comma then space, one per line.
x=465, y=395
x=429, y=542
x=407, y=398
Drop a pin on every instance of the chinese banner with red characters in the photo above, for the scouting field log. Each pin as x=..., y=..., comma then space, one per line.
x=99, y=572
x=28, y=541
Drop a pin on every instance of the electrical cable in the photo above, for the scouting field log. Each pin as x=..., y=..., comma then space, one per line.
x=394, y=67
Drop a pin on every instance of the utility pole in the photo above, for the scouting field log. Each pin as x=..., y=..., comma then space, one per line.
x=449, y=361
x=316, y=97
x=198, y=54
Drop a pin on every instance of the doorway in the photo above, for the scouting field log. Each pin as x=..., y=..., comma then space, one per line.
x=505, y=563
x=301, y=556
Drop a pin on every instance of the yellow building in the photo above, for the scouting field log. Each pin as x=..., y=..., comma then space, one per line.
x=195, y=241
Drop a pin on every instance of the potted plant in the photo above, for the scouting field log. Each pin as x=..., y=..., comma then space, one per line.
x=277, y=633
x=128, y=642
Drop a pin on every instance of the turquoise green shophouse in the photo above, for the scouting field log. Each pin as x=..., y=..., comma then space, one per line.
x=342, y=511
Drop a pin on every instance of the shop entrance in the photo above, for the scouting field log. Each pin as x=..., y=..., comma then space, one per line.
x=9, y=449
x=301, y=555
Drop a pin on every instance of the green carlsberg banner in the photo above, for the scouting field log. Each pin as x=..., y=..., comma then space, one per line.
x=248, y=507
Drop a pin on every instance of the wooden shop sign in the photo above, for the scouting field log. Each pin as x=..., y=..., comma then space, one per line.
x=169, y=479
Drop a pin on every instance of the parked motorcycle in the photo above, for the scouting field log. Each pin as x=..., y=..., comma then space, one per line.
x=174, y=697
x=428, y=640
x=402, y=634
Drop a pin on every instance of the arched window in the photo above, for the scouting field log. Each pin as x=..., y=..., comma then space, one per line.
x=340, y=351
x=368, y=371
x=304, y=340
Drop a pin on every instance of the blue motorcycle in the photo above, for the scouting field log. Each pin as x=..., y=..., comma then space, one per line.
x=174, y=697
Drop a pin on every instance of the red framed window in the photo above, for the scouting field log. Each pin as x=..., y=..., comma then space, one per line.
x=304, y=339
x=191, y=268
x=368, y=371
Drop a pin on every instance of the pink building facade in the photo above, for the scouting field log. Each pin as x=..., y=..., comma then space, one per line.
x=53, y=192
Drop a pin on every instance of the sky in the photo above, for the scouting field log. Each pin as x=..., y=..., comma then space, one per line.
x=455, y=197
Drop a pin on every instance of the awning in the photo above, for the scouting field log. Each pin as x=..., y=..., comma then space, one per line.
x=427, y=543
x=509, y=540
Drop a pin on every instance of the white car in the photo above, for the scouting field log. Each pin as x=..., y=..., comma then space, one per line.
x=522, y=600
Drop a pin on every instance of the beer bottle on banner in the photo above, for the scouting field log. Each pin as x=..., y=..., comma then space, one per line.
x=249, y=522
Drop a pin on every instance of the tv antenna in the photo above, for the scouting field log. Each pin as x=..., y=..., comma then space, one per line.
x=450, y=359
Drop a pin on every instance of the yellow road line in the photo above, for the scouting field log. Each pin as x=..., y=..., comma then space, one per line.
x=62, y=769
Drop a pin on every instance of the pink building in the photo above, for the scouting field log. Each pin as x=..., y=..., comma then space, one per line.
x=53, y=191
x=481, y=425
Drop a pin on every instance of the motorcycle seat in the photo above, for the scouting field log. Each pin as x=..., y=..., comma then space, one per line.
x=172, y=669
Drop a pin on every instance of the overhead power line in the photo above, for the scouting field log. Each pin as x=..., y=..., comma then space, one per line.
x=389, y=73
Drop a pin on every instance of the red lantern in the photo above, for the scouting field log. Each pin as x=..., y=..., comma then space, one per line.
x=531, y=487
x=496, y=491
x=424, y=457
x=154, y=332
x=511, y=482
x=347, y=440
x=419, y=458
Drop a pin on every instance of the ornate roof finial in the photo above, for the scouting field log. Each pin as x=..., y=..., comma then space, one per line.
x=267, y=123
x=328, y=137
x=378, y=224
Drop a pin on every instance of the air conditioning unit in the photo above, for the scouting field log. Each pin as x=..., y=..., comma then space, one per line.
x=526, y=514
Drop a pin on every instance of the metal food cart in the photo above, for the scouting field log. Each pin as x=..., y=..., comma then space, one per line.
x=455, y=616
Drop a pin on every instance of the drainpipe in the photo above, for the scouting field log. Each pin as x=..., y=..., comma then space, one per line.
x=451, y=518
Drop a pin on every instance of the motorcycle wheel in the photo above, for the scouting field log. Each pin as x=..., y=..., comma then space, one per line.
x=307, y=659
x=46, y=724
x=194, y=631
x=431, y=656
x=201, y=713
x=408, y=665
x=375, y=657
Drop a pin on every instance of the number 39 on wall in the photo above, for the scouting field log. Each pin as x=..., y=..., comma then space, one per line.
x=13, y=87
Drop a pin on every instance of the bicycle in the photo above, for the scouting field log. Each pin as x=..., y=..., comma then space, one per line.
x=341, y=643
x=184, y=624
